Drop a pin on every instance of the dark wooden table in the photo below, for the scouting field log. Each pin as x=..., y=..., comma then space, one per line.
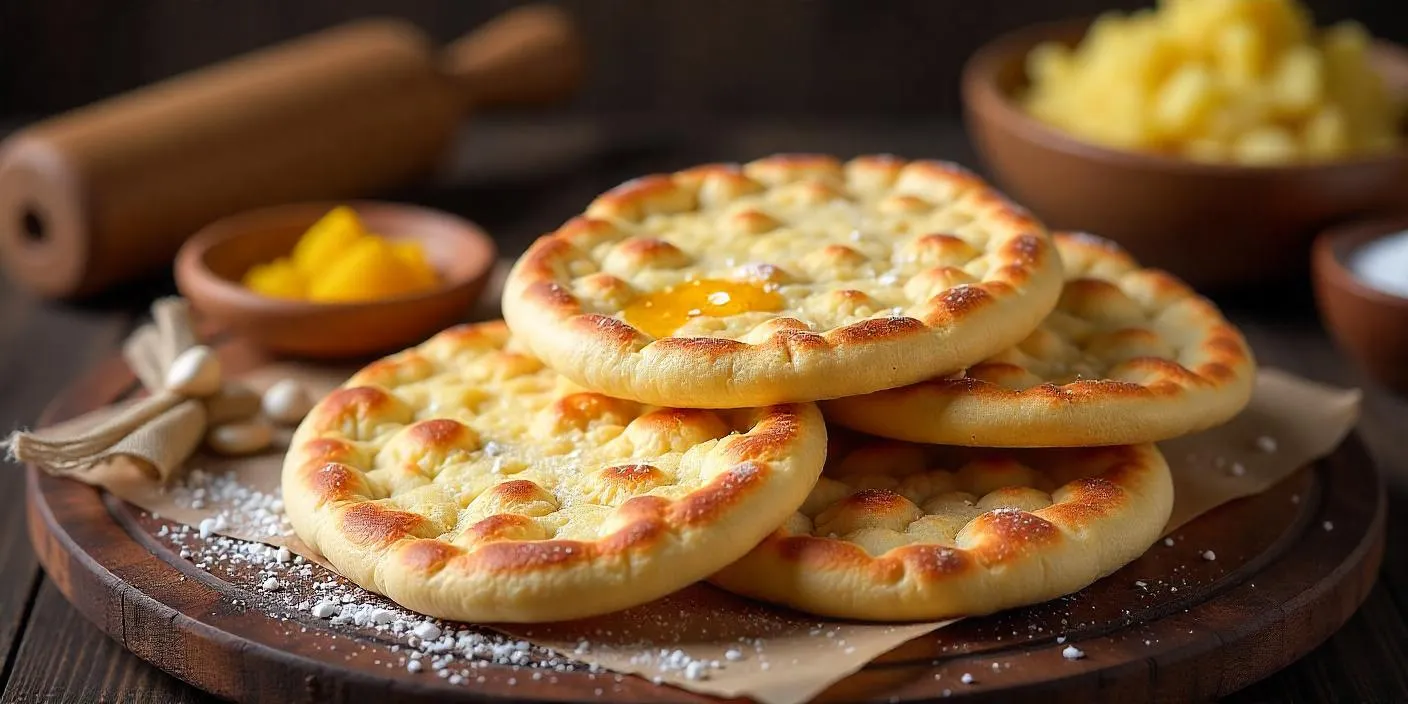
x=521, y=177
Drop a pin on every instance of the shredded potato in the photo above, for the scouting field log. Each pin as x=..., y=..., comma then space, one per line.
x=1244, y=81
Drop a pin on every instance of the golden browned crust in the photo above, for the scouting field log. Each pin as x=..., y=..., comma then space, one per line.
x=891, y=272
x=895, y=531
x=465, y=480
x=1129, y=355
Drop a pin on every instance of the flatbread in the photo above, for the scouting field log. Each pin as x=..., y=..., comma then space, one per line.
x=464, y=480
x=896, y=531
x=1129, y=355
x=792, y=278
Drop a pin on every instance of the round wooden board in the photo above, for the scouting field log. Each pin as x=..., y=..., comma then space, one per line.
x=1292, y=564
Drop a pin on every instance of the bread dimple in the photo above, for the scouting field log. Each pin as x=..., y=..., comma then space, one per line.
x=839, y=243
x=525, y=499
x=1128, y=355
x=896, y=531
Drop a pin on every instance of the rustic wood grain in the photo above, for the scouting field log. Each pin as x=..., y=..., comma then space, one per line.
x=788, y=57
x=71, y=341
x=1320, y=676
x=1368, y=659
x=96, y=668
x=19, y=571
x=1364, y=661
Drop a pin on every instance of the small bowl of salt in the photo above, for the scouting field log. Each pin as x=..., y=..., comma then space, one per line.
x=1361, y=287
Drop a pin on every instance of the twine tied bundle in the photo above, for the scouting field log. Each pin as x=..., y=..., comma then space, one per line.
x=160, y=430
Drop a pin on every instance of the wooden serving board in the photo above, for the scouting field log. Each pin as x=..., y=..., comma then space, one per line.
x=1292, y=564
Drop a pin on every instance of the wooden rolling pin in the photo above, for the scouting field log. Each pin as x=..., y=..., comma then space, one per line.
x=109, y=192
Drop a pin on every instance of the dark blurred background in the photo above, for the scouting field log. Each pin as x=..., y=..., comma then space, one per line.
x=671, y=83
x=823, y=58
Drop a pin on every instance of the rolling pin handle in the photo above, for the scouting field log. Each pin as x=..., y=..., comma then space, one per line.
x=528, y=56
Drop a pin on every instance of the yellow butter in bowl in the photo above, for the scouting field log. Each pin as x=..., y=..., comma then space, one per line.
x=1241, y=81
x=370, y=269
x=338, y=261
x=277, y=279
x=413, y=256
x=326, y=240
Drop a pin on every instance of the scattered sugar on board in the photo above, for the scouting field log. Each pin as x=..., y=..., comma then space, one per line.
x=297, y=592
x=425, y=630
x=239, y=508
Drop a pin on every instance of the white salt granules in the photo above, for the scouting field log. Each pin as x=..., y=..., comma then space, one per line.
x=426, y=630
x=1383, y=264
x=1072, y=653
x=293, y=589
x=240, y=509
x=679, y=663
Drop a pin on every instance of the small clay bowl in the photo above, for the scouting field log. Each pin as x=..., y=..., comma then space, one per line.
x=1369, y=325
x=210, y=265
x=1215, y=225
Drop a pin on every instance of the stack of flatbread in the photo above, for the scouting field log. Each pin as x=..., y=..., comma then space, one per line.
x=874, y=390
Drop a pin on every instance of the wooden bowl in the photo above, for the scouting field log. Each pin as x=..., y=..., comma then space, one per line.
x=1215, y=225
x=1369, y=325
x=210, y=265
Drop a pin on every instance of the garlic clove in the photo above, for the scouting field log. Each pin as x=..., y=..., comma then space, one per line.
x=236, y=401
x=243, y=438
x=287, y=401
x=195, y=373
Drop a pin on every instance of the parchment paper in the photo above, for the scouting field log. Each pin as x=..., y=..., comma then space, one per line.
x=789, y=657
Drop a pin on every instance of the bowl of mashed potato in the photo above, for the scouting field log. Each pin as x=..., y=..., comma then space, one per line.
x=1210, y=137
